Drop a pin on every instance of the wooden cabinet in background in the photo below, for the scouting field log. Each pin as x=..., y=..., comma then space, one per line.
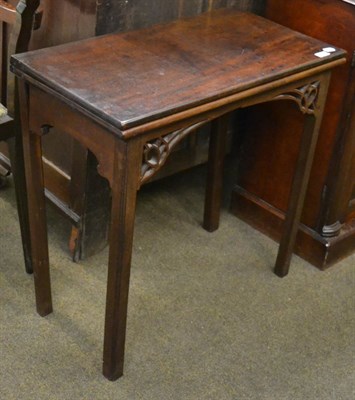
x=71, y=180
x=266, y=166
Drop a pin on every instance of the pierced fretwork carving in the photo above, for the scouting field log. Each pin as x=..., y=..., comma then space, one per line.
x=306, y=97
x=156, y=152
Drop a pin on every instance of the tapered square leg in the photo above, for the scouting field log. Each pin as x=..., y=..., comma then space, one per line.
x=124, y=192
x=300, y=181
x=214, y=185
x=36, y=207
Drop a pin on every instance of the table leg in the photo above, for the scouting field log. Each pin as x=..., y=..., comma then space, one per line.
x=300, y=183
x=214, y=186
x=36, y=207
x=124, y=193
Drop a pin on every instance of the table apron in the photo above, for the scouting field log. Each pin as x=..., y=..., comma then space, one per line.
x=158, y=141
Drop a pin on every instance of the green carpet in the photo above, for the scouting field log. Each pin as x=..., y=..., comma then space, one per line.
x=207, y=318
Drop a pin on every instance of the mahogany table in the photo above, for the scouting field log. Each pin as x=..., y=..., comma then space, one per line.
x=130, y=98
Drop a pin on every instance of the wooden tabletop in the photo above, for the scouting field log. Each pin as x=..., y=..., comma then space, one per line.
x=140, y=76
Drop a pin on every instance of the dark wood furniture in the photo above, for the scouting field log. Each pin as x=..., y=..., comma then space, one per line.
x=72, y=183
x=16, y=26
x=328, y=223
x=188, y=73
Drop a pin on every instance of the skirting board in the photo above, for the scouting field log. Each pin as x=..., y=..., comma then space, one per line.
x=319, y=251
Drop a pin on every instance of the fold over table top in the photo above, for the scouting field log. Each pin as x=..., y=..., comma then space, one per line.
x=127, y=79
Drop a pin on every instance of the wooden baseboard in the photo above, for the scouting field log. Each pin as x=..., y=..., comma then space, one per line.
x=319, y=251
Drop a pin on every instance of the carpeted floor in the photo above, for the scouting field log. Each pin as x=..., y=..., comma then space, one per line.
x=207, y=317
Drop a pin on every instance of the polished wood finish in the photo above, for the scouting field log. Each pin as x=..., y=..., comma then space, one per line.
x=264, y=181
x=38, y=231
x=72, y=183
x=18, y=21
x=188, y=72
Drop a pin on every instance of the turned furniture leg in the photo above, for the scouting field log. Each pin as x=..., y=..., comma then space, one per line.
x=300, y=182
x=124, y=193
x=36, y=208
x=214, y=186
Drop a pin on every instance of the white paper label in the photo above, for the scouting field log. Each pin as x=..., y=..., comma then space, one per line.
x=329, y=49
x=322, y=54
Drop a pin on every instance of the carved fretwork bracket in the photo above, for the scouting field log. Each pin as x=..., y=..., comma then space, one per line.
x=306, y=97
x=156, y=152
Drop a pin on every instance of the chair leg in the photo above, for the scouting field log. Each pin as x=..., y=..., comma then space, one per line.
x=214, y=186
x=18, y=173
